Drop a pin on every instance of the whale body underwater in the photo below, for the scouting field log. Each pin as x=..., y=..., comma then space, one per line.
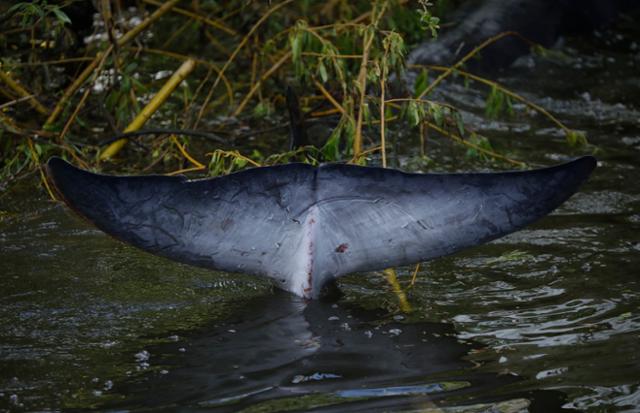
x=304, y=226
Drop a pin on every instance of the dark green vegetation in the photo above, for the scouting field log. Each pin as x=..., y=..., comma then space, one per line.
x=70, y=84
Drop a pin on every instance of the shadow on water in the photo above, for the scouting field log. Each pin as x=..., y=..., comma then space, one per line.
x=282, y=354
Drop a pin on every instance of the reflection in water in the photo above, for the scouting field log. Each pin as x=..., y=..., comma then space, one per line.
x=281, y=353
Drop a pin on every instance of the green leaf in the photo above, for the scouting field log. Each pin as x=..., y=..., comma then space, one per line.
x=482, y=143
x=422, y=81
x=366, y=113
x=296, y=46
x=576, y=138
x=239, y=163
x=322, y=72
x=495, y=103
x=457, y=117
x=436, y=113
x=331, y=149
x=256, y=155
x=125, y=85
x=262, y=109
x=349, y=134
x=138, y=85
x=413, y=115
x=131, y=67
x=60, y=15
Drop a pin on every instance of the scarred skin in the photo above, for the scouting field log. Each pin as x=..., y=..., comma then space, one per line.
x=304, y=226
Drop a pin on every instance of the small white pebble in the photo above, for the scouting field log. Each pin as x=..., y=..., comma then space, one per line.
x=368, y=333
x=164, y=371
x=502, y=359
x=231, y=330
x=333, y=318
x=182, y=349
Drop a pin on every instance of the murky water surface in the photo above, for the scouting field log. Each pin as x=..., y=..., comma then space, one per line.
x=541, y=320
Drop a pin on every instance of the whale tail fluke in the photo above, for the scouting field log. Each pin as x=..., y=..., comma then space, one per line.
x=303, y=226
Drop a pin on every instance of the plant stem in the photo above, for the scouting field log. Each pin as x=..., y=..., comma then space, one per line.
x=264, y=77
x=507, y=92
x=84, y=75
x=211, y=22
x=151, y=107
x=244, y=41
x=468, y=56
x=22, y=92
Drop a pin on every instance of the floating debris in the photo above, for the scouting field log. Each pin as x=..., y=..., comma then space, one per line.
x=13, y=399
x=403, y=390
x=142, y=356
x=551, y=373
x=314, y=377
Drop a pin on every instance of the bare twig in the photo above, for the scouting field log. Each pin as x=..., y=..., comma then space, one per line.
x=84, y=75
x=369, y=36
x=244, y=41
x=265, y=76
x=151, y=107
x=458, y=139
x=392, y=279
x=15, y=101
x=211, y=22
x=504, y=90
x=468, y=56
x=22, y=92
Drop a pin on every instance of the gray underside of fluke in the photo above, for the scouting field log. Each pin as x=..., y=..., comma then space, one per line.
x=303, y=226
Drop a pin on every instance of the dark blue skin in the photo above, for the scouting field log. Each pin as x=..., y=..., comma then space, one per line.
x=304, y=226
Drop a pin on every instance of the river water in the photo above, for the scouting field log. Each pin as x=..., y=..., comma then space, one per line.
x=543, y=320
